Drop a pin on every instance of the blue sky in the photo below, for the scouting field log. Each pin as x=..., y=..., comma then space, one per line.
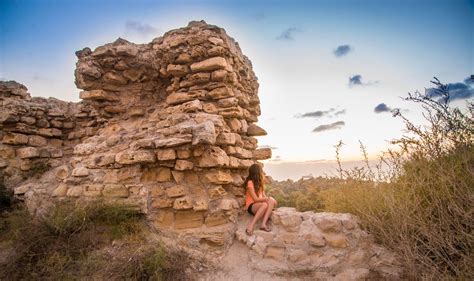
x=386, y=48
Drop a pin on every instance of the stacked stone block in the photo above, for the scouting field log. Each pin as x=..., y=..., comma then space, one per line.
x=37, y=133
x=173, y=133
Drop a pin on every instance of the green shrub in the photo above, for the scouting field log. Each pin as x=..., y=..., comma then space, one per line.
x=302, y=195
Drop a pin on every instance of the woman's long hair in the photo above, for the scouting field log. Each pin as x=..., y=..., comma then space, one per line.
x=256, y=176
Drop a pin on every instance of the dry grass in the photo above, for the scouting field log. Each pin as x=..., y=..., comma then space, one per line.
x=424, y=207
x=152, y=263
x=54, y=246
x=74, y=241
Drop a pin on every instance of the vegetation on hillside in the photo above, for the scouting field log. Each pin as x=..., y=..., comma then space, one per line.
x=419, y=200
x=303, y=194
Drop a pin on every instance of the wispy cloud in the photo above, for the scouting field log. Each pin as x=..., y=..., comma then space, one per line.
x=316, y=161
x=356, y=80
x=320, y=113
x=142, y=29
x=288, y=34
x=268, y=146
x=258, y=16
x=469, y=80
x=457, y=91
x=326, y=127
x=340, y=112
x=315, y=114
x=382, y=107
x=276, y=159
x=342, y=50
x=40, y=78
x=460, y=91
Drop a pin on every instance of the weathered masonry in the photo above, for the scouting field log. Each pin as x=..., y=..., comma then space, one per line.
x=167, y=126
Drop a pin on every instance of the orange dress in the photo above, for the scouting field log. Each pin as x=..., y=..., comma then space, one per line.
x=248, y=198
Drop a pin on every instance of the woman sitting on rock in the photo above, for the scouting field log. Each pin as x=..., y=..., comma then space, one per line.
x=256, y=202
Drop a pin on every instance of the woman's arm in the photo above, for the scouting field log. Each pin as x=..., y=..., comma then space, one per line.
x=251, y=189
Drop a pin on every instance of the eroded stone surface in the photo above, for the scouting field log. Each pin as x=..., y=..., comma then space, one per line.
x=319, y=244
x=154, y=129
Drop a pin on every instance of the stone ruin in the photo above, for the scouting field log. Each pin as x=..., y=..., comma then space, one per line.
x=168, y=127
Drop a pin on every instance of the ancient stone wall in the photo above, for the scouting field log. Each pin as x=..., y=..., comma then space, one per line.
x=38, y=134
x=170, y=129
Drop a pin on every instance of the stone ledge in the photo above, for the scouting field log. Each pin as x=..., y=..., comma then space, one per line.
x=328, y=243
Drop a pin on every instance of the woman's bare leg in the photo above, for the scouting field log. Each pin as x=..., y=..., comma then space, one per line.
x=259, y=210
x=267, y=214
x=275, y=203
